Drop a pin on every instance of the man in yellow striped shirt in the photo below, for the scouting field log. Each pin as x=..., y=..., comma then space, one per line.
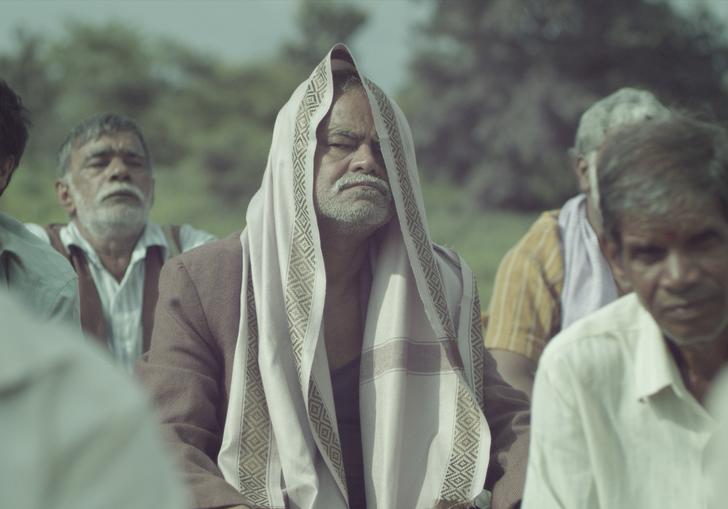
x=556, y=273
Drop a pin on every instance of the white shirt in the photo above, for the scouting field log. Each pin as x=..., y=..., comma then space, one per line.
x=41, y=278
x=718, y=460
x=122, y=301
x=76, y=433
x=613, y=426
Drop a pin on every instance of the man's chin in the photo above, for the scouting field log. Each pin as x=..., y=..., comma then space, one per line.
x=694, y=337
x=114, y=222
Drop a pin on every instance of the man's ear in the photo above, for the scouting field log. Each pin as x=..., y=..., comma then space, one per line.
x=613, y=253
x=581, y=168
x=64, y=196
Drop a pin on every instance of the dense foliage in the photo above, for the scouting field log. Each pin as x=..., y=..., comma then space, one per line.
x=511, y=78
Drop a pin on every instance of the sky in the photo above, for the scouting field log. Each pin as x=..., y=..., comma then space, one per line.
x=237, y=30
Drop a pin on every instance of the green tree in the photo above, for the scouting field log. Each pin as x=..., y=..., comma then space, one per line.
x=321, y=24
x=497, y=86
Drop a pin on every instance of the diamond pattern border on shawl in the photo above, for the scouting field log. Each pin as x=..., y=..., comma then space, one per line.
x=255, y=431
x=302, y=264
x=301, y=271
x=466, y=440
x=327, y=432
x=476, y=345
x=415, y=226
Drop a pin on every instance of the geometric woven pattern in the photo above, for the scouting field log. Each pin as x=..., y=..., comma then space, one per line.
x=466, y=440
x=302, y=270
x=415, y=226
x=327, y=432
x=255, y=431
x=477, y=348
x=302, y=262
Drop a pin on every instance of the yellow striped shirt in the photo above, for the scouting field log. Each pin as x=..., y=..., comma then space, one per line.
x=525, y=307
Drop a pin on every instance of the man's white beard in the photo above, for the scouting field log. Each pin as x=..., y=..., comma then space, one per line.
x=363, y=215
x=106, y=222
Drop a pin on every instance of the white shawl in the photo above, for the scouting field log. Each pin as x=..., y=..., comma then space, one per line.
x=588, y=280
x=425, y=440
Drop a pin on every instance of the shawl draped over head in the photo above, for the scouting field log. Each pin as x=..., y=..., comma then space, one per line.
x=425, y=440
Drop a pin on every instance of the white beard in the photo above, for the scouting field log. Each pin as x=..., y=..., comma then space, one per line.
x=106, y=222
x=369, y=212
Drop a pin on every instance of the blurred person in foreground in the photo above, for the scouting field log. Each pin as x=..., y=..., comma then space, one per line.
x=618, y=404
x=38, y=275
x=717, y=465
x=331, y=355
x=76, y=434
x=106, y=186
x=557, y=273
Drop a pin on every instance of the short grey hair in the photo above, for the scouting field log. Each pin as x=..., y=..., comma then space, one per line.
x=92, y=129
x=655, y=168
x=623, y=107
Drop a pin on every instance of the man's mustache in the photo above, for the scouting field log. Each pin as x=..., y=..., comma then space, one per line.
x=112, y=189
x=355, y=179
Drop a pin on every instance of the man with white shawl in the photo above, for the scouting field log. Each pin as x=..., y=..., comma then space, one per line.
x=557, y=274
x=331, y=356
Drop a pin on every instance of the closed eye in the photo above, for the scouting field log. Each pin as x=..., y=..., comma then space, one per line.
x=647, y=254
x=705, y=240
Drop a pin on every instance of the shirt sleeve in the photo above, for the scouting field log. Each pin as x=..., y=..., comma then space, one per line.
x=507, y=412
x=559, y=472
x=525, y=310
x=183, y=371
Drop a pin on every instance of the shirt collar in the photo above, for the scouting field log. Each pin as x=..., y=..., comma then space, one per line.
x=151, y=236
x=14, y=236
x=655, y=366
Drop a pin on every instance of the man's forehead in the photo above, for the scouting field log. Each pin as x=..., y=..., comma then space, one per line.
x=116, y=141
x=675, y=224
x=350, y=115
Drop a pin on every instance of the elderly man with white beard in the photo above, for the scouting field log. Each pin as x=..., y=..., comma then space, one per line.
x=331, y=356
x=107, y=187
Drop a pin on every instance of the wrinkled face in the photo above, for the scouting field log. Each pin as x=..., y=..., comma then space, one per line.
x=679, y=268
x=351, y=189
x=110, y=185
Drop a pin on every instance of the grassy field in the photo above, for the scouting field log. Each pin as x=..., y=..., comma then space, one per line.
x=481, y=237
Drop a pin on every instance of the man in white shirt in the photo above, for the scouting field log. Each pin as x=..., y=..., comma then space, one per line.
x=29, y=268
x=618, y=409
x=76, y=433
x=107, y=187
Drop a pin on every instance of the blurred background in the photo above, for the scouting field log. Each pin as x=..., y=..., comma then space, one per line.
x=493, y=90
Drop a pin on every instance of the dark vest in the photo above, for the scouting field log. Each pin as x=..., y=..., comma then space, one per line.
x=92, y=315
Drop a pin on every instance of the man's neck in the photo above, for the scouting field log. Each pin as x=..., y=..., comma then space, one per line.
x=700, y=363
x=344, y=256
x=113, y=252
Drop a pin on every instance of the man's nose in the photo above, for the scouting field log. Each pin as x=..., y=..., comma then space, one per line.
x=681, y=271
x=119, y=170
x=368, y=160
